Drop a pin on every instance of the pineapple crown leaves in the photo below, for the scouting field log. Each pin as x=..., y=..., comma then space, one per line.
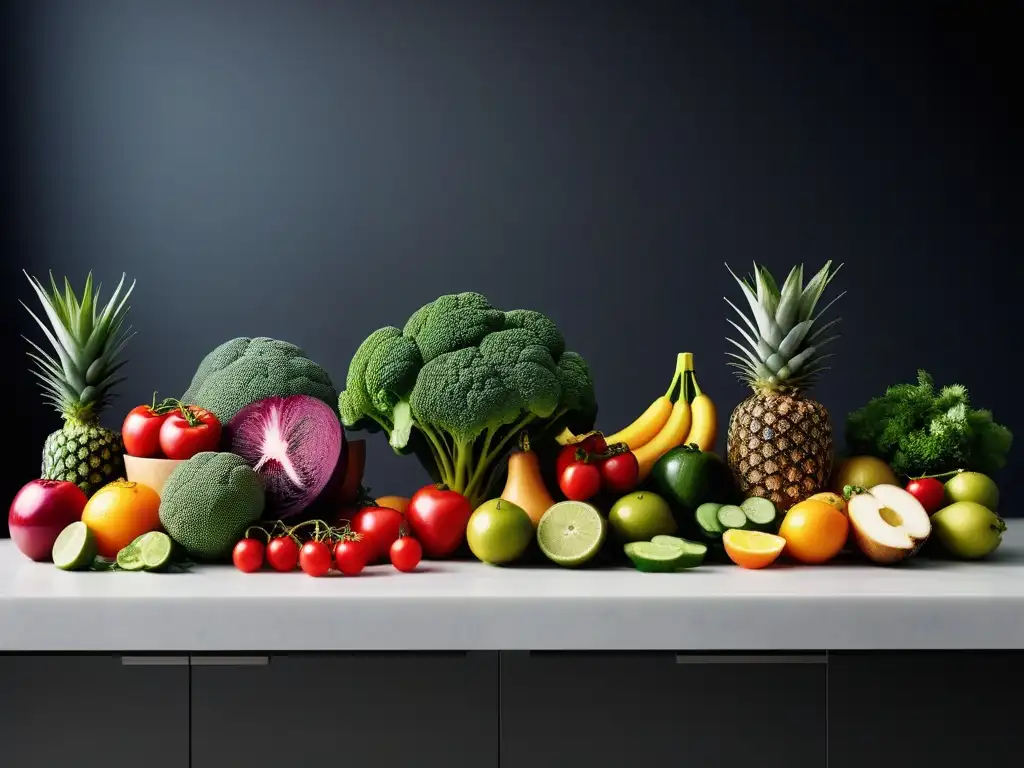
x=784, y=339
x=87, y=337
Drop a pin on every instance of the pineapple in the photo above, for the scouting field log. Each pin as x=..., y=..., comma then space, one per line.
x=87, y=339
x=779, y=443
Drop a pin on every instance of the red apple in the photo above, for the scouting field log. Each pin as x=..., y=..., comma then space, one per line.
x=40, y=511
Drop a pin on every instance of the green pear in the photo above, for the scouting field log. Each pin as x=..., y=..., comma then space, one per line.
x=973, y=486
x=968, y=530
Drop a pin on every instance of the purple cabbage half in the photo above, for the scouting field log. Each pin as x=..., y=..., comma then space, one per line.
x=294, y=443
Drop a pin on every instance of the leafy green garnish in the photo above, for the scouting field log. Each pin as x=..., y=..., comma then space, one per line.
x=921, y=431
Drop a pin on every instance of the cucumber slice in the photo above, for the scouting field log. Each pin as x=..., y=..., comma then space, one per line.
x=693, y=551
x=707, y=519
x=654, y=558
x=130, y=558
x=731, y=516
x=155, y=550
x=760, y=512
x=75, y=548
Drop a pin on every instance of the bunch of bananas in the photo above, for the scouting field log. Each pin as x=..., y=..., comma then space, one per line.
x=666, y=424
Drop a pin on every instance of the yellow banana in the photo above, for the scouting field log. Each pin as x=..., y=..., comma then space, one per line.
x=649, y=423
x=704, y=422
x=675, y=430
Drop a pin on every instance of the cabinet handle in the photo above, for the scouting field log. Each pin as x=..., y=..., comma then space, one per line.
x=154, y=661
x=230, y=661
x=751, y=658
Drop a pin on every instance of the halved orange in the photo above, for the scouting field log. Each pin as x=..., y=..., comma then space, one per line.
x=752, y=549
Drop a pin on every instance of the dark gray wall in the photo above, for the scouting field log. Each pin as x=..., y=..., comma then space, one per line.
x=313, y=170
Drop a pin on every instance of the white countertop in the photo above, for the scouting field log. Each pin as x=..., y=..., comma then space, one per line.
x=922, y=604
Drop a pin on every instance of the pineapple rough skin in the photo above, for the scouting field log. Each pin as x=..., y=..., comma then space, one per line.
x=209, y=501
x=243, y=370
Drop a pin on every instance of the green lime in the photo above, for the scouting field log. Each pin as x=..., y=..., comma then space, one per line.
x=499, y=532
x=130, y=558
x=640, y=515
x=654, y=558
x=693, y=551
x=570, y=533
x=155, y=550
x=75, y=547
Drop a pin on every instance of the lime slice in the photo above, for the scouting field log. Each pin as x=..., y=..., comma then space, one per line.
x=760, y=512
x=707, y=519
x=731, y=516
x=654, y=558
x=130, y=558
x=570, y=533
x=693, y=551
x=75, y=548
x=155, y=550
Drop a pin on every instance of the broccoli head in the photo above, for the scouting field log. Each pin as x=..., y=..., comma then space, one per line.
x=243, y=370
x=462, y=379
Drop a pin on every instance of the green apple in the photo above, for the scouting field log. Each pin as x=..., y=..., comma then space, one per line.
x=973, y=486
x=640, y=516
x=499, y=532
x=968, y=530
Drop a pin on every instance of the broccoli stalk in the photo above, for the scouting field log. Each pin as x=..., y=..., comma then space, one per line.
x=468, y=378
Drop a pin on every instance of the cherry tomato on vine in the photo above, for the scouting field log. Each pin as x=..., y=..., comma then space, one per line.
x=406, y=554
x=315, y=558
x=929, y=491
x=620, y=472
x=283, y=553
x=379, y=527
x=351, y=556
x=566, y=456
x=188, y=431
x=580, y=481
x=248, y=555
x=141, y=430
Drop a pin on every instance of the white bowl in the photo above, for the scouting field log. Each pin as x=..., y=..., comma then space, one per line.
x=150, y=472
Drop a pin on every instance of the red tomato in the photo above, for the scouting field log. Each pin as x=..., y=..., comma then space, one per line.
x=283, y=553
x=379, y=527
x=929, y=491
x=188, y=431
x=406, y=554
x=620, y=472
x=141, y=431
x=248, y=555
x=315, y=558
x=566, y=456
x=438, y=517
x=580, y=481
x=351, y=556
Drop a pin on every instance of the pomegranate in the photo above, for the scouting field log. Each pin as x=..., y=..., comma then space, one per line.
x=40, y=511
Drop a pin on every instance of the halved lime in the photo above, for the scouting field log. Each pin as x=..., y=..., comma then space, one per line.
x=75, y=547
x=731, y=516
x=155, y=549
x=693, y=551
x=655, y=558
x=570, y=533
x=130, y=557
x=761, y=512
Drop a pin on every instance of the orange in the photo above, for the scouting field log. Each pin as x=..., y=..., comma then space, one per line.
x=397, y=503
x=752, y=549
x=834, y=499
x=119, y=512
x=815, y=531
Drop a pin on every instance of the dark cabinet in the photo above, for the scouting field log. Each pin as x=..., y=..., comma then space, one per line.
x=611, y=710
x=94, y=711
x=377, y=710
x=933, y=709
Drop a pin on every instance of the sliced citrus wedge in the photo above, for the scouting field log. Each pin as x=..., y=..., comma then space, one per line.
x=752, y=549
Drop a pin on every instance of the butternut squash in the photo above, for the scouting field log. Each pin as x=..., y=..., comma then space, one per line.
x=525, y=485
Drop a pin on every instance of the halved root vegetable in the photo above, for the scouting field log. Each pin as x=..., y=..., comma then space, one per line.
x=889, y=523
x=752, y=549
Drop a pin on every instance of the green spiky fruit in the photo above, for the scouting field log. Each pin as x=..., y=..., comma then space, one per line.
x=779, y=443
x=77, y=378
x=87, y=455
